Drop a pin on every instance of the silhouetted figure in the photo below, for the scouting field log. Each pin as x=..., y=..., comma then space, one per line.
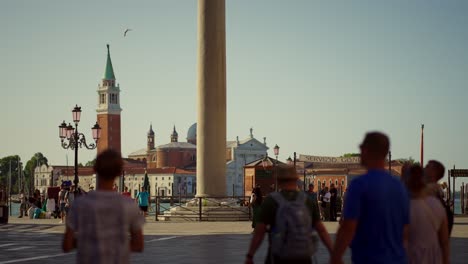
x=256, y=200
x=376, y=212
x=99, y=223
x=428, y=230
x=434, y=172
x=333, y=197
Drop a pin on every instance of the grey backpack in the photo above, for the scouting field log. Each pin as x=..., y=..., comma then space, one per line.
x=293, y=236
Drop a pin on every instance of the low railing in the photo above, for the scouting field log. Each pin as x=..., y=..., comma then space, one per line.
x=213, y=208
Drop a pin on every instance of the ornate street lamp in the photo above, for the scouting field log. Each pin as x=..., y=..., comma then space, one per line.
x=71, y=139
x=276, y=151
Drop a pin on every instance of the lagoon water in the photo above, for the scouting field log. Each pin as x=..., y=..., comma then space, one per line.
x=165, y=206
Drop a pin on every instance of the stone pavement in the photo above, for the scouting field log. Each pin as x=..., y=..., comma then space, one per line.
x=28, y=241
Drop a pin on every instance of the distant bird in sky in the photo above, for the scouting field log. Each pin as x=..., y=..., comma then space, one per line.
x=127, y=30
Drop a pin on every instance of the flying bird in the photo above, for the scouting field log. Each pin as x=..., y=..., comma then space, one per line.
x=127, y=30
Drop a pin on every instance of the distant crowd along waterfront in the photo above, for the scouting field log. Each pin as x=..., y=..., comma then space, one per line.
x=384, y=219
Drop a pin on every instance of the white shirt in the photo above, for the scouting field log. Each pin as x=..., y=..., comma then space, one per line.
x=102, y=221
x=326, y=197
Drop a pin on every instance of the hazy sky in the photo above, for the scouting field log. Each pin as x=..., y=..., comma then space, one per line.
x=311, y=76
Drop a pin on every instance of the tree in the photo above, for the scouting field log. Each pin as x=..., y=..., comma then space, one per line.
x=409, y=160
x=90, y=163
x=15, y=162
x=146, y=183
x=350, y=155
x=36, y=160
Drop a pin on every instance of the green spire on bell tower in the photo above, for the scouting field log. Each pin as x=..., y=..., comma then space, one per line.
x=109, y=74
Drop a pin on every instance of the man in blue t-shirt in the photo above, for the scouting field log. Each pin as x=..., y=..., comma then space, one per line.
x=142, y=198
x=376, y=212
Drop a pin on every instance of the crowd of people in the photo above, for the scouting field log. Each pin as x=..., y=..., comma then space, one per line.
x=384, y=219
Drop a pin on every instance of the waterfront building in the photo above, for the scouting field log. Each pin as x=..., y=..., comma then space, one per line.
x=322, y=171
x=238, y=154
x=182, y=155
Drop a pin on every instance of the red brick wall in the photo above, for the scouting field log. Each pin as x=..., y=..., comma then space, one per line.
x=327, y=181
x=174, y=158
x=110, y=132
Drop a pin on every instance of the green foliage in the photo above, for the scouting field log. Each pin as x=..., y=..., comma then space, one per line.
x=90, y=163
x=350, y=155
x=36, y=160
x=5, y=170
x=409, y=160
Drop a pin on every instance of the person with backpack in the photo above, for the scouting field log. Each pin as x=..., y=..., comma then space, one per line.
x=293, y=223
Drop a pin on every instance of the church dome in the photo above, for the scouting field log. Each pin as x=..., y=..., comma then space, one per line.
x=192, y=133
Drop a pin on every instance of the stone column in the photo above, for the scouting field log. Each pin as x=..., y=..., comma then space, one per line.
x=211, y=81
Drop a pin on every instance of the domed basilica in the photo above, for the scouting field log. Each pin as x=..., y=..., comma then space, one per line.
x=173, y=154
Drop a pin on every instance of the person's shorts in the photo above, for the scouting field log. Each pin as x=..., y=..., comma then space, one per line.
x=144, y=208
x=63, y=208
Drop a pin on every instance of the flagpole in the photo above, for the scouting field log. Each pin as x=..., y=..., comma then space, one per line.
x=9, y=188
x=422, y=145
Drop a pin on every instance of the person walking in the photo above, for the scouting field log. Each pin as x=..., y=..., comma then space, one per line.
x=142, y=200
x=428, y=230
x=312, y=194
x=434, y=172
x=104, y=226
x=69, y=198
x=256, y=200
x=23, y=204
x=333, y=197
x=126, y=192
x=293, y=221
x=376, y=212
x=62, y=203
x=326, y=204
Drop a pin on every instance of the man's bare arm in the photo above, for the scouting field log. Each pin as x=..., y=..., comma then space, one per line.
x=324, y=236
x=343, y=239
x=68, y=240
x=136, y=241
x=406, y=237
x=444, y=241
x=257, y=238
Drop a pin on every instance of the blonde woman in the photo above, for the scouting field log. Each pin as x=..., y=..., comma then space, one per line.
x=428, y=230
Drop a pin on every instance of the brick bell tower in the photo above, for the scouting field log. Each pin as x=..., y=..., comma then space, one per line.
x=108, y=111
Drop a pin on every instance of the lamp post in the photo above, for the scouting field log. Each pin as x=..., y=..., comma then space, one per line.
x=390, y=162
x=276, y=151
x=71, y=139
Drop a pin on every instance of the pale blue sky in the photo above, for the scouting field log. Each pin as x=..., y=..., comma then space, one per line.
x=311, y=76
